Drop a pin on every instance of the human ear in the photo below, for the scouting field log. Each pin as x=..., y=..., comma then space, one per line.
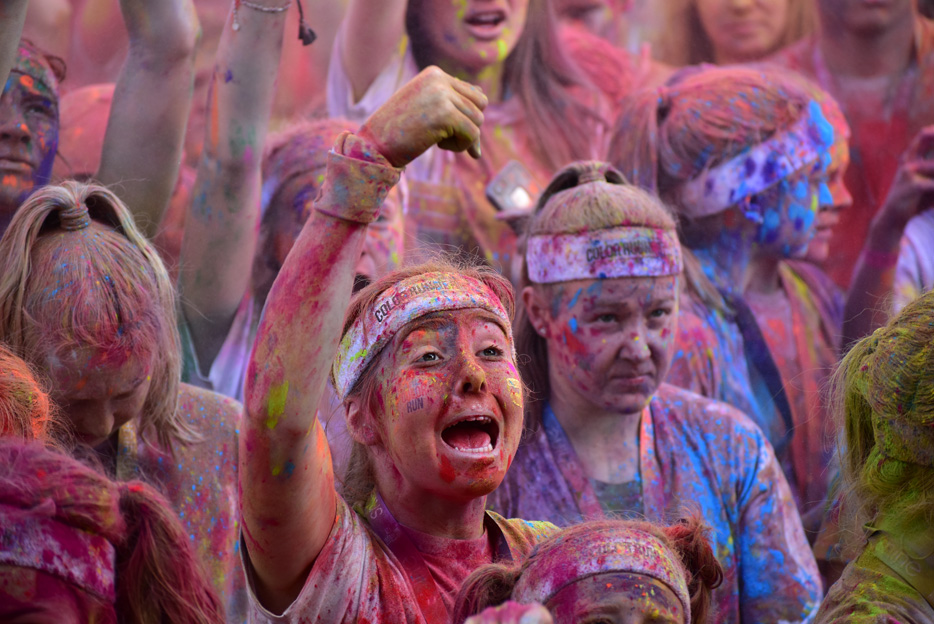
x=536, y=310
x=359, y=423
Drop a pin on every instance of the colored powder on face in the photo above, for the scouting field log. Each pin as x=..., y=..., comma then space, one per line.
x=276, y=406
x=573, y=324
x=447, y=470
x=573, y=301
x=502, y=50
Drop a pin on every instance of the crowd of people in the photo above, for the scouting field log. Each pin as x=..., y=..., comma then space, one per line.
x=467, y=311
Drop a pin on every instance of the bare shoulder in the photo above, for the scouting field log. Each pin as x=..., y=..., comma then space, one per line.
x=211, y=414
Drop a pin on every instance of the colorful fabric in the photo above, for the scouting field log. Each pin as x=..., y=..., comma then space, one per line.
x=400, y=305
x=29, y=539
x=914, y=273
x=884, y=118
x=868, y=593
x=355, y=578
x=760, y=167
x=805, y=346
x=200, y=480
x=603, y=254
x=693, y=452
x=623, y=549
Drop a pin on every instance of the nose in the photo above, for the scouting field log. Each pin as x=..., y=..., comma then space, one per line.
x=741, y=5
x=92, y=420
x=472, y=376
x=824, y=196
x=840, y=195
x=13, y=126
x=634, y=347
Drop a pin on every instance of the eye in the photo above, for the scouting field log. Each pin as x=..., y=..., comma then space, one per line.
x=659, y=313
x=429, y=357
x=607, y=318
x=492, y=352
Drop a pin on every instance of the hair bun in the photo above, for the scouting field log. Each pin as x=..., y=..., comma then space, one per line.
x=593, y=172
x=74, y=218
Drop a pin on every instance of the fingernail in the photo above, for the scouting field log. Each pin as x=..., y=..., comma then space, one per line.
x=475, y=150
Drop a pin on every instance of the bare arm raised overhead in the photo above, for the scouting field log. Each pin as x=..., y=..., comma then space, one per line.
x=220, y=232
x=371, y=30
x=12, y=18
x=868, y=302
x=143, y=145
x=288, y=500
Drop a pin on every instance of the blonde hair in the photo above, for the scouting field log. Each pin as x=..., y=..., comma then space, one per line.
x=584, y=196
x=77, y=273
x=25, y=409
x=682, y=40
x=889, y=376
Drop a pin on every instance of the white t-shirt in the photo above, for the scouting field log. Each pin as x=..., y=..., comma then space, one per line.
x=914, y=273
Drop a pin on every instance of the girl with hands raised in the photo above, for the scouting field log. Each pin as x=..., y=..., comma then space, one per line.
x=426, y=370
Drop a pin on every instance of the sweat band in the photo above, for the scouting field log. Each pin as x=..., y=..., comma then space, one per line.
x=761, y=166
x=623, y=550
x=40, y=542
x=603, y=254
x=401, y=304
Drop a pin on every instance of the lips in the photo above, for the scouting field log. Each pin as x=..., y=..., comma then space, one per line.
x=475, y=434
x=10, y=163
x=485, y=25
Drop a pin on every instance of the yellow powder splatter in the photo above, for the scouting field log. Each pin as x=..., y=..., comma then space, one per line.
x=276, y=405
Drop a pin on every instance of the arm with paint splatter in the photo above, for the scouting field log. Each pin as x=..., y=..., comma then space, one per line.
x=868, y=302
x=221, y=228
x=146, y=129
x=12, y=18
x=288, y=500
x=371, y=30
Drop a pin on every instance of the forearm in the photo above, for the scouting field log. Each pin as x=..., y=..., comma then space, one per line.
x=371, y=31
x=145, y=132
x=221, y=229
x=287, y=484
x=873, y=279
x=12, y=19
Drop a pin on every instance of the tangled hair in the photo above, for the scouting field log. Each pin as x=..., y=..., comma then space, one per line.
x=359, y=482
x=159, y=578
x=889, y=374
x=25, y=409
x=77, y=274
x=493, y=584
x=542, y=76
x=299, y=150
x=682, y=39
x=582, y=197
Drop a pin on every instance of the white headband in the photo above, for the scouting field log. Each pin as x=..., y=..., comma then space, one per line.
x=401, y=304
x=624, y=550
x=603, y=254
x=760, y=167
x=29, y=540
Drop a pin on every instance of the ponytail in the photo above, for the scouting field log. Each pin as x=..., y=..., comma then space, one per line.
x=634, y=145
x=689, y=537
x=160, y=578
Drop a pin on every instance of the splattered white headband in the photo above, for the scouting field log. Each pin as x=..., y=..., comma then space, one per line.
x=28, y=540
x=401, y=304
x=760, y=167
x=625, y=550
x=603, y=254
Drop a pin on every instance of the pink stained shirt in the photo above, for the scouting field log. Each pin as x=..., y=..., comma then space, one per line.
x=356, y=579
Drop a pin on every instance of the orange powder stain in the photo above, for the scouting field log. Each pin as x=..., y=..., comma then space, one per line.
x=447, y=470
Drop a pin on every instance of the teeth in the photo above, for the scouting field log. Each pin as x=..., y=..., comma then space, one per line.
x=482, y=449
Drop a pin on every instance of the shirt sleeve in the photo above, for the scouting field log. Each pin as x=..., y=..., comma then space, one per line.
x=908, y=284
x=780, y=580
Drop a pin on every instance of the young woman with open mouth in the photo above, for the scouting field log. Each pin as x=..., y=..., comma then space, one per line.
x=425, y=366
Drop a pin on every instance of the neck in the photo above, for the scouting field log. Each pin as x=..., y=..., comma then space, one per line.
x=726, y=258
x=606, y=443
x=867, y=55
x=762, y=276
x=489, y=78
x=426, y=512
x=909, y=552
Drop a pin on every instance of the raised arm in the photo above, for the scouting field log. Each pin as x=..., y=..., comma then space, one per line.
x=12, y=18
x=869, y=299
x=221, y=231
x=371, y=30
x=143, y=144
x=288, y=501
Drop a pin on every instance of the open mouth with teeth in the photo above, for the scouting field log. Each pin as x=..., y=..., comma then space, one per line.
x=476, y=434
x=485, y=23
